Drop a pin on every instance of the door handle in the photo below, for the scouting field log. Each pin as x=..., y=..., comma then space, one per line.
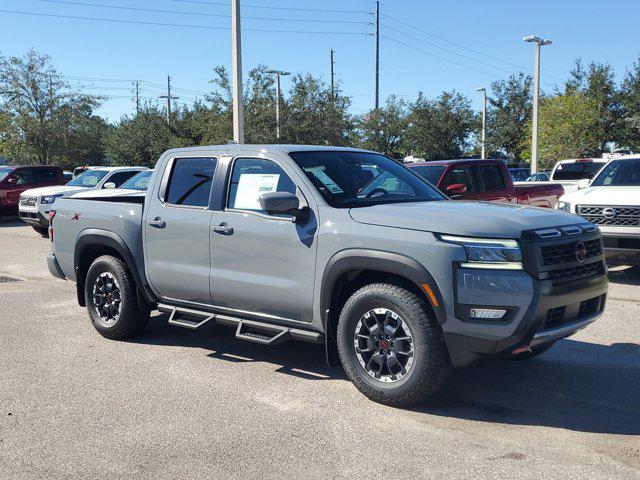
x=223, y=228
x=157, y=223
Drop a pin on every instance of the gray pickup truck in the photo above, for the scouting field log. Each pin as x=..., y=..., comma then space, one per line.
x=337, y=246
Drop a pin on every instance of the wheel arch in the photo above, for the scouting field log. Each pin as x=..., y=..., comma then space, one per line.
x=91, y=244
x=350, y=269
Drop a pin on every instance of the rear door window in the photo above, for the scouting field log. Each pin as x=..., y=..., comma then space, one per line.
x=190, y=181
x=492, y=178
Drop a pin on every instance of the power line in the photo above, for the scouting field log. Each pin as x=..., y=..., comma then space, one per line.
x=203, y=2
x=199, y=14
x=205, y=27
x=520, y=67
x=440, y=57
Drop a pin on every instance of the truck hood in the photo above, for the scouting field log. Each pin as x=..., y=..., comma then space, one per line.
x=466, y=218
x=36, y=192
x=628, y=195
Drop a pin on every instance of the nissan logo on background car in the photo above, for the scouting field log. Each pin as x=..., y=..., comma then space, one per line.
x=609, y=212
x=580, y=251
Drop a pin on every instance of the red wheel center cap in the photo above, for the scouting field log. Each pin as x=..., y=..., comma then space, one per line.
x=384, y=345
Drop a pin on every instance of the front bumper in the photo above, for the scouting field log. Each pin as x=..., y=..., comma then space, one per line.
x=552, y=312
x=622, y=248
x=54, y=267
x=34, y=218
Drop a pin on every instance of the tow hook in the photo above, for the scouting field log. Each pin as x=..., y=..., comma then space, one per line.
x=523, y=349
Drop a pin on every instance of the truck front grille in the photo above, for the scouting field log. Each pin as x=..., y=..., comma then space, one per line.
x=610, y=215
x=28, y=201
x=559, y=316
x=575, y=273
x=565, y=252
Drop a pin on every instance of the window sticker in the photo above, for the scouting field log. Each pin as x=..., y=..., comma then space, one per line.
x=321, y=175
x=251, y=186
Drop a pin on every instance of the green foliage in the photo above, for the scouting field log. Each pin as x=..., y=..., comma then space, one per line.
x=630, y=100
x=508, y=112
x=440, y=128
x=382, y=130
x=44, y=121
x=570, y=127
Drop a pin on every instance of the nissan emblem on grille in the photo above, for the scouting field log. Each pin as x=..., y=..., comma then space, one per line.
x=609, y=212
x=581, y=251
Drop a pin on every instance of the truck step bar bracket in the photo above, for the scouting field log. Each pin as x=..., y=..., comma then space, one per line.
x=249, y=330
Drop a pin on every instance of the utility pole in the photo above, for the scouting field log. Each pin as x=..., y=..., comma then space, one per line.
x=483, y=155
x=236, y=60
x=277, y=73
x=536, y=98
x=137, y=85
x=169, y=98
x=377, y=54
x=332, y=83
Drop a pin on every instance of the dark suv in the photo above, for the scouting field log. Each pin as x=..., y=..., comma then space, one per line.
x=16, y=179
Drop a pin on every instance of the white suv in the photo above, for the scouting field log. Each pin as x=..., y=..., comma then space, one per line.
x=35, y=203
x=612, y=201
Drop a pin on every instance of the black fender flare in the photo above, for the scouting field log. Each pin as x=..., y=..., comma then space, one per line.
x=386, y=262
x=97, y=237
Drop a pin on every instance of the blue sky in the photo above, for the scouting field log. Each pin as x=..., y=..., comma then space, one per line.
x=457, y=44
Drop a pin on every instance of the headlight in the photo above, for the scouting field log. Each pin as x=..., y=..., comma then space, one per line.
x=49, y=198
x=488, y=252
x=564, y=206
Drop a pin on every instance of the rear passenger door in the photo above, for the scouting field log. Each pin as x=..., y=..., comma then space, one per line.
x=494, y=184
x=262, y=265
x=177, y=231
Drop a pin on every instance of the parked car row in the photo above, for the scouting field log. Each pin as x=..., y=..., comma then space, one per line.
x=337, y=246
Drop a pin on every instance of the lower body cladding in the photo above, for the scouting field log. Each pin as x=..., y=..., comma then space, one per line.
x=505, y=312
x=622, y=249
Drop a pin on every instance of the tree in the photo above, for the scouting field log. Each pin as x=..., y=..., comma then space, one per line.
x=47, y=121
x=597, y=82
x=630, y=100
x=440, y=128
x=382, y=129
x=311, y=116
x=141, y=139
x=569, y=127
x=508, y=113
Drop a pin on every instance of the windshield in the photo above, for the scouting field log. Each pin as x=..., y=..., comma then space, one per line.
x=359, y=179
x=577, y=170
x=619, y=172
x=139, y=181
x=431, y=174
x=88, y=179
x=4, y=172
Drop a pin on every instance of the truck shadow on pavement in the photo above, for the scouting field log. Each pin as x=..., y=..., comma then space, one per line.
x=576, y=385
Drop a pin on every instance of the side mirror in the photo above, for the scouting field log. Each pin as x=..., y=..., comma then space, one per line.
x=457, y=189
x=109, y=185
x=584, y=183
x=282, y=203
x=12, y=180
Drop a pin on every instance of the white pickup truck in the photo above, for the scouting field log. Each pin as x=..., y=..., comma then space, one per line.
x=612, y=201
x=569, y=173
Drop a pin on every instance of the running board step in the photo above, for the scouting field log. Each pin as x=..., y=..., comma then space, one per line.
x=262, y=333
x=192, y=319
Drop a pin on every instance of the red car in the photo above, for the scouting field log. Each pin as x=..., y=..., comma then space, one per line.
x=485, y=180
x=16, y=179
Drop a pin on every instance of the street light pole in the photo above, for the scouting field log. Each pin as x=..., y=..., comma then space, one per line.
x=236, y=60
x=277, y=73
x=536, y=98
x=483, y=154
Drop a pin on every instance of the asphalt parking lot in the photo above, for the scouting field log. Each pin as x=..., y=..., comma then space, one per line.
x=182, y=404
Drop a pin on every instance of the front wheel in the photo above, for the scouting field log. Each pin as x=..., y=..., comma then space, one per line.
x=390, y=345
x=110, y=296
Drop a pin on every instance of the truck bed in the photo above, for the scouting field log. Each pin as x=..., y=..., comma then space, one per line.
x=539, y=194
x=75, y=217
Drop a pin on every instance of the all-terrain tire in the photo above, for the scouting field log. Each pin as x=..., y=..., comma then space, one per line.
x=535, y=351
x=431, y=365
x=131, y=319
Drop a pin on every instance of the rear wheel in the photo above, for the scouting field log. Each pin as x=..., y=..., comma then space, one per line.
x=390, y=345
x=112, y=303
